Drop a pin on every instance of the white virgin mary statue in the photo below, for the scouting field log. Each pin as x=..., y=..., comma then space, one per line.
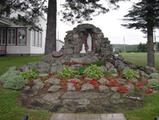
x=89, y=42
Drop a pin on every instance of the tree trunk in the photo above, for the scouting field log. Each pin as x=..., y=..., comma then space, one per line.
x=50, y=44
x=150, y=48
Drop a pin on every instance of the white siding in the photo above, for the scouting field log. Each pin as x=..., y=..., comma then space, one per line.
x=18, y=50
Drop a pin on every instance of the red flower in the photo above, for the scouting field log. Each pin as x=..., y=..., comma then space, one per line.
x=122, y=89
x=148, y=90
x=139, y=85
x=74, y=82
x=113, y=83
x=93, y=82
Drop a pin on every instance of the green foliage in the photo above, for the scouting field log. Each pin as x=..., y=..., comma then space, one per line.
x=129, y=73
x=12, y=79
x=143, y=13
x=142, y=48
x=110, y=73
x=154, y=75
x=30, y=11
x=30, y=74
x=93, y=71
x=98, y=63
x=14, y=82
x=66, y=72
x=11, y=72
x=81, y=70
x=157, y=46
x=154, y=84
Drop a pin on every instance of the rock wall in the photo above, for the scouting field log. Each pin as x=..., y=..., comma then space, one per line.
x=78, y=36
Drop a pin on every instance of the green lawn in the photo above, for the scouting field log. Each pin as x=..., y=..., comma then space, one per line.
x=140, y=58
x=148, y=112
x=7, y=61
x=9, y=109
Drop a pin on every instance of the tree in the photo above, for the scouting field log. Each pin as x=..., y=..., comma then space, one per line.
x=74, y=10
x=144, y=16
x=157, y=46
x=25, y=12
x=142, y=47
x=50, y=44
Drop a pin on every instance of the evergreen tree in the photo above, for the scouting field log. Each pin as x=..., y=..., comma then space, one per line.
x=157, y=46
x=142, y=48
x=25, y=12
x=144, y=16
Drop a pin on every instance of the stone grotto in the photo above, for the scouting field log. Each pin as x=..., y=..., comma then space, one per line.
x=85, y=44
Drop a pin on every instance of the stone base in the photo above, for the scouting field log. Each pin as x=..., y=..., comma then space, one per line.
x=79, y=102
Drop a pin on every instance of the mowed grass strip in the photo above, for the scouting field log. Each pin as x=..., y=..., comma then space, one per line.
x=140, y=58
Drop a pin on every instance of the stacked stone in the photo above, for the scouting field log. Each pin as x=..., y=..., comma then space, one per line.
x=74, y=40
x=106, y=48
x=69, y=47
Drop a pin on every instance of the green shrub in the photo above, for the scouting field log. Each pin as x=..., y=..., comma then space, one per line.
x=93, y=71
x=29, y=74
x=98, y=63
x=11, y=72
x=154, y=84
x=14, y=82
x=110, y=73
x=66, y=72
x=12, y=79
x=129, y=73
x=81, y=70
x=154, y=75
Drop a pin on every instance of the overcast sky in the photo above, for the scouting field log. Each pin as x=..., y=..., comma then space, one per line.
x=110, y=24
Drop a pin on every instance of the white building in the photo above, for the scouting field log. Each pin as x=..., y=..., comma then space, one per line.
x=20, y=39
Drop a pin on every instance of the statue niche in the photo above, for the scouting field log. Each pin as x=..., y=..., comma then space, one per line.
x=86, y=38
x=86, y=41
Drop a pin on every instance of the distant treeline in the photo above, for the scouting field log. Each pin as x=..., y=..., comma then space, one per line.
x=133, y=48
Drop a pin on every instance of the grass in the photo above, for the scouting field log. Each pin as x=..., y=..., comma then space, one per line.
x=9, y=109
x=140, y=58
x=148, y=111
x=8, y=61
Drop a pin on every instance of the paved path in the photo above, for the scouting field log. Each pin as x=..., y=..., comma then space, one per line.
x=73, y=116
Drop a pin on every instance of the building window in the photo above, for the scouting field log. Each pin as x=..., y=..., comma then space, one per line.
x=41, y=39
x=11, y=36
x=2, y=36
x=34, y=38
x=22, y=36
x=38, y=39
